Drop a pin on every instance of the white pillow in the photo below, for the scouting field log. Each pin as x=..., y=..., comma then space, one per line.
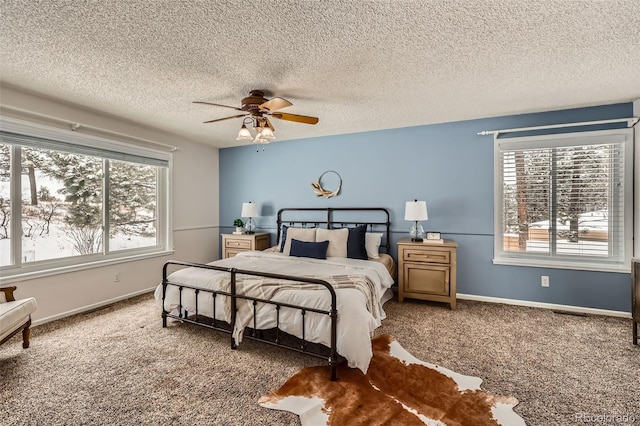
x=337, y=241
x=300, y=234
x=372, y=244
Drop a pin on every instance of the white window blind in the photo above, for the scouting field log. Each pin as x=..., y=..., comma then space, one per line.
x=10, y=138
x=564, y=200
x=24, y=133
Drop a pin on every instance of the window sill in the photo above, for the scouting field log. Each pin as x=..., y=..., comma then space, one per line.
x=581, y=266
x=16, y=276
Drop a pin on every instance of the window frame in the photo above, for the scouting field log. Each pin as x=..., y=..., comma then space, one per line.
x=501, y=257
x=18, y=271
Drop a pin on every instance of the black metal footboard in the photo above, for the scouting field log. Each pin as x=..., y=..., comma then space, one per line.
x=228, y=327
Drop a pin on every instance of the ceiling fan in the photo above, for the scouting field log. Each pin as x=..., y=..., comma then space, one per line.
x=256, y=110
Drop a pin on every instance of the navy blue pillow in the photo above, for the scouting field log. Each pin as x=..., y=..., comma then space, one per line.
x=309, y=249
x=283, y=236
x=355, y=243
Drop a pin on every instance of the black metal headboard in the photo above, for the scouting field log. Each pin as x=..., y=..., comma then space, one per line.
x=339, y=217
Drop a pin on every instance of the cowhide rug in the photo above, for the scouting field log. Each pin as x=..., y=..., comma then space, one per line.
x=397, y=389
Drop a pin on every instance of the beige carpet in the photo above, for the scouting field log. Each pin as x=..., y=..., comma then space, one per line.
x=119, y=366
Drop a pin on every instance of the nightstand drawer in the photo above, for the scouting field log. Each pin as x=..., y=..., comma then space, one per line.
x=231, y=253
x=233, y=244
x=237, y=244
x=426, y=279
x=431, y=256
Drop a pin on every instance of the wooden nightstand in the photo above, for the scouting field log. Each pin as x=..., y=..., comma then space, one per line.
x=234, y=244
x=427, y=271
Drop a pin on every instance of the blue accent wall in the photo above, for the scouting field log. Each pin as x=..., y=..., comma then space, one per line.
x=448, y=165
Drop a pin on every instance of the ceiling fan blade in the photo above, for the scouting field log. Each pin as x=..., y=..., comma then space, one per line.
x=220, y=105
x=275, y=104
x=226, y=118
x=295, y=117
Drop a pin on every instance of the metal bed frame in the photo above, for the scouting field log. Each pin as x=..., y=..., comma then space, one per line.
x=276, y=337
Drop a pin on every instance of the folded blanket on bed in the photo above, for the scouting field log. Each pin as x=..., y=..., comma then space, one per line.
x=265, y=288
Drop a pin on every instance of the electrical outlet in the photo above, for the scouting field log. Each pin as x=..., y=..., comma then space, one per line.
x=544, y=281
x=116, y=277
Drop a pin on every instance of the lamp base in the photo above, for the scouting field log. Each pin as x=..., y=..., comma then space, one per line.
x=416, y=232
x=250, y=226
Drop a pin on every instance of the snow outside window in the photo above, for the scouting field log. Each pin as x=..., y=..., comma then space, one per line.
x=69, y=200
x=565, y=201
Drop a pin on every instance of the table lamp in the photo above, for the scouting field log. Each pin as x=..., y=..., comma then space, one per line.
x=416, y=211
x=249, y=210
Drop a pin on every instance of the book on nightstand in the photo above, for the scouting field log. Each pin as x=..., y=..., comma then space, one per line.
x=237, y=233
x=425, y=241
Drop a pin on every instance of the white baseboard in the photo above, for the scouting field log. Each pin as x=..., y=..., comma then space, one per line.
x=90, y=307
x=566, y=308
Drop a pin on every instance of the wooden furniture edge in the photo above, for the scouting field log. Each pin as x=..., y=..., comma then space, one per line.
x=25, y=328
x=8, y=291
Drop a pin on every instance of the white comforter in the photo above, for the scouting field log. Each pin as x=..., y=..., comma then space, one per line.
x=355, y=323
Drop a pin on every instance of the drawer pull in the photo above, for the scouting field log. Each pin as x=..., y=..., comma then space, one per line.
x=427, y=256
x=237, y=244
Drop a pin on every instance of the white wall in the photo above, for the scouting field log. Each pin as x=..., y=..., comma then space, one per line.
x=195, y=186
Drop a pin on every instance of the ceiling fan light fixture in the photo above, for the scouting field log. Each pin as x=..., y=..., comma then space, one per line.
x=259, y=139
x=244, y=134
x=255, y=109
x=267, y=133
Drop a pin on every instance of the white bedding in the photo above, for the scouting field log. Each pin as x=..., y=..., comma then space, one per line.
x=355, y=323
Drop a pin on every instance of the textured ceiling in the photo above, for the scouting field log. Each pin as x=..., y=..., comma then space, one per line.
x=356, y=65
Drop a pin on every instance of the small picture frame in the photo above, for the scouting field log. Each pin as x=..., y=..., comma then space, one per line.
x=433, y=236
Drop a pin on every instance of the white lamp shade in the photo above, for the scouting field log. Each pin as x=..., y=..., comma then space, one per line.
x=266, y=133
x=249, y=210
x=260, y=139
x=244, y=134
x=415, y=210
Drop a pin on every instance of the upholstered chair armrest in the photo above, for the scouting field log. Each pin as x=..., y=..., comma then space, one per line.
x=8, y=293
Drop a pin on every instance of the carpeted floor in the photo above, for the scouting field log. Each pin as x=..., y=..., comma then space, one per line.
x=117, y=366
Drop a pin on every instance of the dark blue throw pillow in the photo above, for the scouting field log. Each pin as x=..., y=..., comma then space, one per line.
x=309, y=249
x=355, y=243
x=283, y=237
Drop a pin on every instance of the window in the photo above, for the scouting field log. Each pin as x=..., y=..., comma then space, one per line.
x=69, y=199
x=565, y=200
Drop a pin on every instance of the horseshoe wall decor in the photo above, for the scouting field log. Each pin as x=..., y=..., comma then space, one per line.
x=320, y=191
